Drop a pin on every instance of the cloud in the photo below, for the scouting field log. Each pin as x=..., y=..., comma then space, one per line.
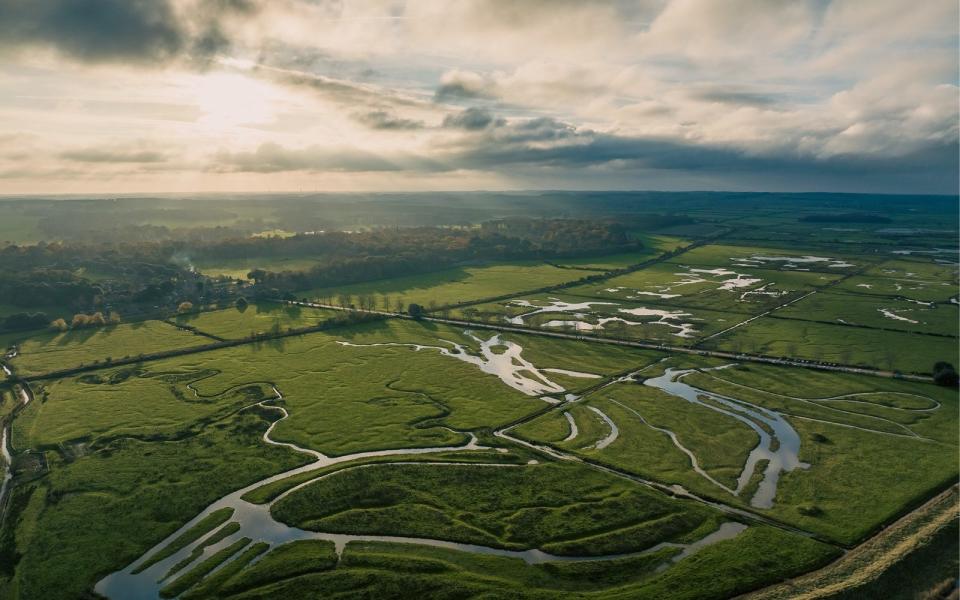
x=125, y=31
x=803, y=89
x=736, y=97
x=472, y=119
x=463, y=85
x=380, y=119
x=114, y=155
x=274, y=158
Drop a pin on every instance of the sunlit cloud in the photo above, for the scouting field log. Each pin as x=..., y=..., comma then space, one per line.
x=418, y=94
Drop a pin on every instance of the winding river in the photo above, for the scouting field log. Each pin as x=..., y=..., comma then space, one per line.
x=257, y=523
x=7, y=465
x=781, y=449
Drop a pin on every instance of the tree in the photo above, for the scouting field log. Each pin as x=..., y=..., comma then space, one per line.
x=114, y=318
x=185, y=307
x=415, y=310
x=398, y=306
x=944, y=374
x=58, y=325
x=241, y=304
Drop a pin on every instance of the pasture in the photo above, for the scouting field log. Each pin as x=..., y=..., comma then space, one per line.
x=892, y=350
x=454, y=286
x=256, y=319
x=876, y=312
x=631, y=320
x=740, y=289
x=54, y=351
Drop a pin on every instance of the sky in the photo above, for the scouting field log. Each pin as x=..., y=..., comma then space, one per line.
x=131, y=96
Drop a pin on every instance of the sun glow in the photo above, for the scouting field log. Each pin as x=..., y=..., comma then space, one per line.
x=231, y=100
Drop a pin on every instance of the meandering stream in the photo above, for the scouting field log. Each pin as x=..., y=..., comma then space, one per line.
x=7, y=464
x=781, y=449
x=257, y=523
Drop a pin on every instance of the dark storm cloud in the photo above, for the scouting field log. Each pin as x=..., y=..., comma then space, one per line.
x=472, y=119
x=552, y=144
x=137, y=31
x=380, y=119
x=546, y=145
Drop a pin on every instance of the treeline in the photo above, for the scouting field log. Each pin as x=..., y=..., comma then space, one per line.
x=354, y=257
x=144, y=274
x=850, y=217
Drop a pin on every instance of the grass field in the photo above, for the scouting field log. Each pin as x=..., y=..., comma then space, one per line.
x=342, y=399
x=888, y=471
x=720, y=443
x=454, y=286
x=873, y=311
x=258, y=318
x=921, y=280
x=738, y=289
x=562, y=509
x=151, y=404
x=387, y=570
x=787, y=259
x=110, y=462
x=654, y=245
x=635, y=320
x=52, y=351
x=891, y=440
x=897, y=350
x=126, y=498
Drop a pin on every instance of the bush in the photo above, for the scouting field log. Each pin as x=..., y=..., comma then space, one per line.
x=944, y=374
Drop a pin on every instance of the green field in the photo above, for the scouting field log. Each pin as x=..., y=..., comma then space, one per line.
x=454, y=286
x=561, y=509
x=914, y=279
x=886, y=439
x=124, y=402
x=873, y=311
x=737, y=289
x=52, y=351
x=258, y=318
x=903, y=351
x=386, y=457
x=654, y=245
x=636, y=320
x=778, y=258
x=127, y=497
